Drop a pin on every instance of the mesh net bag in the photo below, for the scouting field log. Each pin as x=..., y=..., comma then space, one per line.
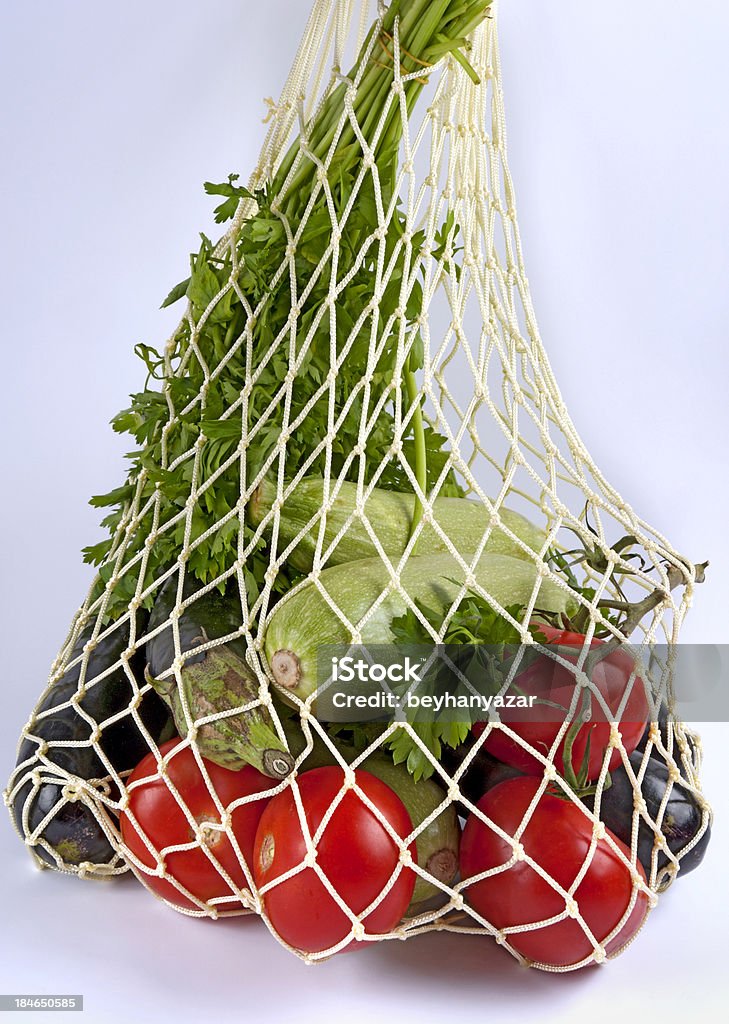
x=354, y=442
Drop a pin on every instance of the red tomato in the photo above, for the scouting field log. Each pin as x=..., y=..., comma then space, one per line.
x=164, y=823
x=558, y=839
x=355, y=852
x=546, y=678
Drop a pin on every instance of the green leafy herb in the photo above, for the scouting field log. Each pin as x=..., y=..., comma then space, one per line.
x=241, y=374
x=234, y=194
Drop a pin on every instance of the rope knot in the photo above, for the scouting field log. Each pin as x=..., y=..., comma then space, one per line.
x=274, y=110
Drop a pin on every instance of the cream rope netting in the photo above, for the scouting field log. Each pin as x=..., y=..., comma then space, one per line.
x=426, y=306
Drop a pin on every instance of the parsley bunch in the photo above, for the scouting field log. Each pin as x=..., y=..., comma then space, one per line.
x=215, y=407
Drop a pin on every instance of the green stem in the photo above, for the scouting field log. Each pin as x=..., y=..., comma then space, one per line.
x=467, y=67
x=428, y=29
x=421, y=455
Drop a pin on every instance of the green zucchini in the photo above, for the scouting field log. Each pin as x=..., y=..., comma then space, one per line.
x=438, y=843
x=304, y=622
x=389, y=514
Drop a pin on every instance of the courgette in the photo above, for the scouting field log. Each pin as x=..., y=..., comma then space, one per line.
x=212, y=682
x=307, y=521
x=304, y=622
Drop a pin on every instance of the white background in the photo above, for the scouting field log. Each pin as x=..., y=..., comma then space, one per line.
x=111, y=117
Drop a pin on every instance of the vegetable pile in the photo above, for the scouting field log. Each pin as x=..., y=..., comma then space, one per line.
x=287, y=498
